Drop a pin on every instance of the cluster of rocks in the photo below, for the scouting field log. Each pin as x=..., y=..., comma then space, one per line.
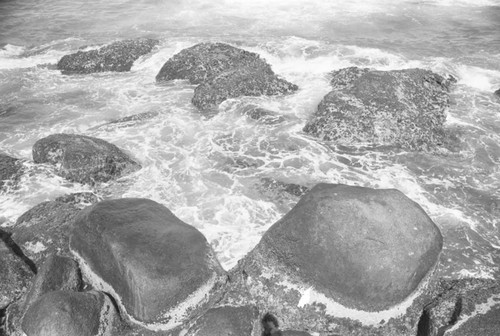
x=344, y=261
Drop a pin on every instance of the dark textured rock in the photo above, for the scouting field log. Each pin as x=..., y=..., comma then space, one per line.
x=464, y=307
x=82, y=158
x=280, y=187
x=262, y=115
x=118, y=56
x=242, y=81
x=80, y=199
x=371, y=247
x=44, y=229
x=71, y=313
x=403, y=108
x=10, y=170
x=56, y=273
x=14, y=275
x=295, y=333
x=497, y=92
x=148, y=258
x=206, y=60
x=226, y=321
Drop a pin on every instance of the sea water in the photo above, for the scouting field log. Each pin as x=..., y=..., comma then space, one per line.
x=210, y=172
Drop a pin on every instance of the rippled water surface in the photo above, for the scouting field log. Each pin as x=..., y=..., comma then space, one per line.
x=214, y=174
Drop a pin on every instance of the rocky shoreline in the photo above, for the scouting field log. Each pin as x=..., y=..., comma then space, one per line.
x=345, y=260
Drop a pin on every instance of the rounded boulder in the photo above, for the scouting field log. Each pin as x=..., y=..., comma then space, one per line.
x=367, y=249
x=159, y=268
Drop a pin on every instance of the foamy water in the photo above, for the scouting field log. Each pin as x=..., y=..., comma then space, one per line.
x=210, y=172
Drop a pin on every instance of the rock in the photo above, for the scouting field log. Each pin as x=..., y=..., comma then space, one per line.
x=14, y=275
x=403, y=108
x=463, y=307
x=56, y=273
x=10, y=170
x=345, y=260
x=71, y=313
x=243, y=81
x=295, y=333
x=158, y=268
x=282, y=187
x=497, y=92
x=207, y=60
x=44, y=229
x=80, y=199
x=262, y=115
x=83, y=159
x=118, y=56
x=226, y=321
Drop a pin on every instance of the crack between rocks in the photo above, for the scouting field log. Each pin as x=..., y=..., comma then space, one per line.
x=16, y=249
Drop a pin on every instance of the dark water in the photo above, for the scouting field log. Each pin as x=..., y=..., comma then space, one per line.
x=210, y=172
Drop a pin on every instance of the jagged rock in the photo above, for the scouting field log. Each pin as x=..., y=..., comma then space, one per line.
x=345, y=260
x=158, y=268
x=398, y=108
x=207, y=60
x=464, y=307
x=15, y=275
x=82, y=158
x=262, y=115
x=10, y=169
x=242, y=81
x=63, y=313
x=227, y=320
x=80, y=199
x=56, y=273
x=45, y=229
x=118, y=56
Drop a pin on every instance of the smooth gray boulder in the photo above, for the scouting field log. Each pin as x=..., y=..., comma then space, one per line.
x=159, y=269
x=118, y=56
x=203, y=61
x=405, y=108
x=82, y=158
x=63, y=313
x=237, y=82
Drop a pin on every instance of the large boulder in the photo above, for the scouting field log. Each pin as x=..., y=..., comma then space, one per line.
x=226, y=321
x=82, y=158
x=15, y=275
x=243, y=81
x=57, y=273
x=207, y=60
x=398, y=108
x=10, y=170
x=347, y=260
x=63, y=313
x=118, y=56
x=159, y=269
x=44, y=229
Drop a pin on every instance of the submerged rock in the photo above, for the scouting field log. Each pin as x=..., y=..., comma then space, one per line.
x=203, y=61
x=245, y=81
x=10, y=170
x=226, y=320
x=82, y=158
x=118, y=56
x=63, y=313
x=497, y=92
x=262, y=115
x=158, y=268
x=400, y=107
x=347, y=260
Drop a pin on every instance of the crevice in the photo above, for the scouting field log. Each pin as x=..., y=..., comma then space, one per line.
x=454, y=317
x=424, y=324
x=16, y=249
x=3, y=313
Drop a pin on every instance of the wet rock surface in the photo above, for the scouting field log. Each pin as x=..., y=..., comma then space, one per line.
x=262, y=115
x=71, y=313
x=403, y=108
x=82, y=158
x=10, y=170
x=147, y=258
x=203, y=61
x=118, y=56
x=222, y=321
x=239, y=82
